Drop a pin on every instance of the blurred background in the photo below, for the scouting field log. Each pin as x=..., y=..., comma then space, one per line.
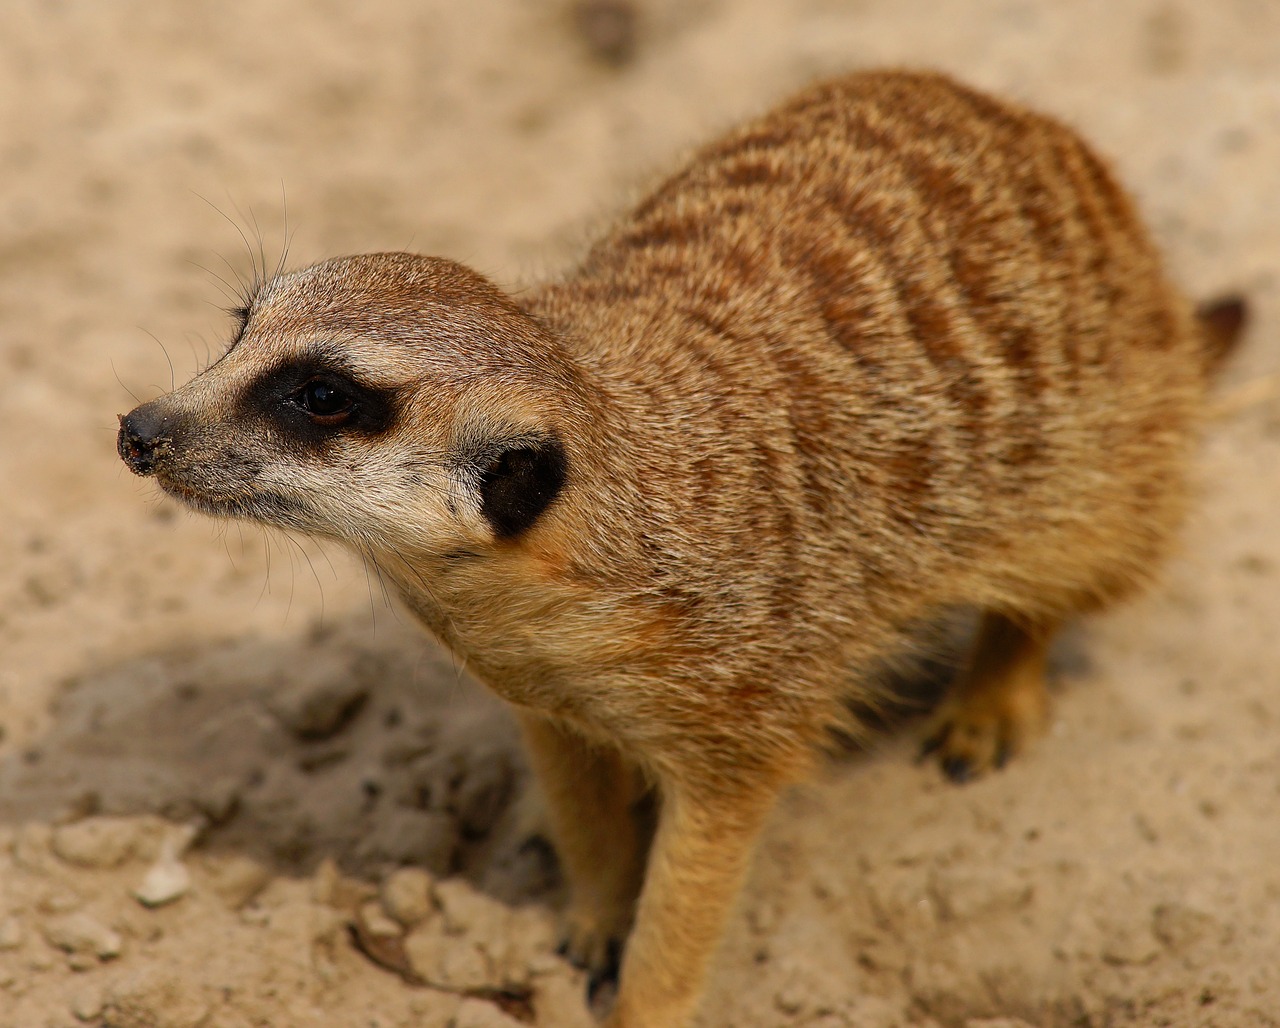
x=154, y=156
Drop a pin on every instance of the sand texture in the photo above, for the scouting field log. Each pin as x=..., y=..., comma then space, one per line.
x=238, y=788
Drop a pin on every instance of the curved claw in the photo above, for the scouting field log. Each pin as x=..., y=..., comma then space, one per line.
x=586, y=944
x=606, y=975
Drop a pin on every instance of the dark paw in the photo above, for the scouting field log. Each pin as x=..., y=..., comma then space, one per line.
x=597, y=954
x=605, y=977
x=958, y=769
x=602, y=961
x=969, y=741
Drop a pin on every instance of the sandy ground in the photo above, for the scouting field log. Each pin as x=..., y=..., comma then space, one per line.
x=245, y=734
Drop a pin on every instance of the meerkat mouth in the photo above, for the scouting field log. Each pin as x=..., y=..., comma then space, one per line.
x=267, y=507
x=218, y=506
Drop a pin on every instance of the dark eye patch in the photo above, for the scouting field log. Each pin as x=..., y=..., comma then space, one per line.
x=312, y=401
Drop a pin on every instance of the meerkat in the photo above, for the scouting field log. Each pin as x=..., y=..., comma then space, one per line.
x=893, y=348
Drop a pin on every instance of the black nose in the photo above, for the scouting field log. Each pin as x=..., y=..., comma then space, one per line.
x=141, y=432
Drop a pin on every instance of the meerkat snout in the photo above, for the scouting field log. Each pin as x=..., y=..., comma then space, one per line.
x=140, y=434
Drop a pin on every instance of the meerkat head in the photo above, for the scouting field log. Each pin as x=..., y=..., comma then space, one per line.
x=396, y=402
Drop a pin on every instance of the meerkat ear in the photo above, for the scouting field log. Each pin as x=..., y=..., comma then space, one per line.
x=519, y=482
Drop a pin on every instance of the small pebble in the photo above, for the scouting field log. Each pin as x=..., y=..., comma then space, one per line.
x=468, y=911
x=789, y=1000
x=81, y=962
x=43, y=961
x=380, y=939
x=60, y=901
x=763, y=917
x=374, y=920
x=164, y=882
x=168, y=878
x=528, y=934
x=81, y=933
x=406, y=895
x=96, y=841
x=237, y=880
x=86, y=1005
x=1128, y=944
x=559, y=999
x=448, y=962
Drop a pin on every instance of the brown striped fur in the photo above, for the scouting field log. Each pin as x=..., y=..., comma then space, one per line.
x=892, y=348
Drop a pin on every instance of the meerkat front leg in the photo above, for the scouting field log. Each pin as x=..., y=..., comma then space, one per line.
x=998, y=703
x=591, y=792
x=700, y=855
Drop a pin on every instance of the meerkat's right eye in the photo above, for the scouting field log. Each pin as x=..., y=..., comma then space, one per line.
x=326, y=402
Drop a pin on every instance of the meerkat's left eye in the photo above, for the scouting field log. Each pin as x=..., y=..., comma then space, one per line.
x=326, y=402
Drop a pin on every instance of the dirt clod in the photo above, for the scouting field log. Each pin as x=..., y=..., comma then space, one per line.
x=237, y=879
x=609, y=28
x=317, y=710
x=81, y=933
x=406, y=895
x=165, y=881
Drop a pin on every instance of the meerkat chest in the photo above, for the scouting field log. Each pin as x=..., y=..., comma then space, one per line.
x=537, y=644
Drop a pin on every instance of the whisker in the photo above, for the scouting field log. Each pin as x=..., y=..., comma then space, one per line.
x=293, y=575
x=121, y=381
x=200, y=364
x=288, y=237
x=248, y=290
x=266, y=578
x=260, y=274
x=234, y=293
x=245, y=289
x=364, y=559
x=173, y=378
x=226, y=545
x=307, y=557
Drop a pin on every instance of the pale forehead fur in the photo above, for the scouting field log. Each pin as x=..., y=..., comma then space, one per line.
x=397, y=319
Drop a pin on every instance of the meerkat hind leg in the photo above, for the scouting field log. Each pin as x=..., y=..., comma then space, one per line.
x=999, y=701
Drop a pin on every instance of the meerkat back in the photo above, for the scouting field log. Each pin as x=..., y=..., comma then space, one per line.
x=923, y=353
